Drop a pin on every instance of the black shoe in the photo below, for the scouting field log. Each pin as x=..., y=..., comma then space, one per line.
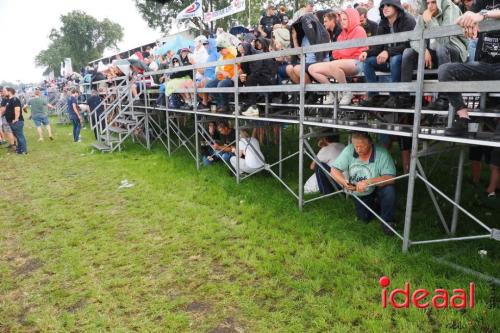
x=496, y=134
x=440, y=104
x=374, y=101
x=405, y=102
x=186, y=107
x=311, y=98
x=391, y=103
x=460, y=127
x=386, y=230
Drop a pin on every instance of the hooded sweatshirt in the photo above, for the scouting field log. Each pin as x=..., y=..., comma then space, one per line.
x=447, y=14
x=265, y=68
x=404, y=22
x=309, y=26
x=354, y=31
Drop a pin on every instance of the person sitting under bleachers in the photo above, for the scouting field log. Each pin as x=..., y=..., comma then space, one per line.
x=224, y=147
x=250, y=155
x=330, y=150
x=367, y=163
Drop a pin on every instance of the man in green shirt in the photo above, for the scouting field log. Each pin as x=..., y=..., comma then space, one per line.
x=39, y=114
x=367, y=164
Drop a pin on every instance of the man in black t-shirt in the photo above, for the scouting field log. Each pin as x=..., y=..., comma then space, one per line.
x=486, y=66
x=224, y=147
x=14, y=117
x=4, y=126
x=268, y=21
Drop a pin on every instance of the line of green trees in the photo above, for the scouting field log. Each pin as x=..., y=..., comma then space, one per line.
x=82, y=38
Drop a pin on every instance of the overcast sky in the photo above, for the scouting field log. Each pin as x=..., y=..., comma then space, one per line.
x=25, y=26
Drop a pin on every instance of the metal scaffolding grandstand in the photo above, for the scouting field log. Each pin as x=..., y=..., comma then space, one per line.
x=176, y=129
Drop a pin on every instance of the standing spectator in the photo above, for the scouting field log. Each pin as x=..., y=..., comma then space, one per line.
x=487, y=66
x=366, y=164
x=7, y=131
x=96, y=110
x=14, y=117
x=388, y=57
x=369, y=26
x=39, y=114
x=268, y=21
x=250, y=155
x=309, y=6
x=74, y=115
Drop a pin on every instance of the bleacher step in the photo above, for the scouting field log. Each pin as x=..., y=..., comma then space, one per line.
x=101, y=146
x=117, y=129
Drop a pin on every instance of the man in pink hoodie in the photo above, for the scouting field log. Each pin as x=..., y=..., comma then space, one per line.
x=346, y=61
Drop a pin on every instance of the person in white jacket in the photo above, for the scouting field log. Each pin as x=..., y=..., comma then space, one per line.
x=250, y=155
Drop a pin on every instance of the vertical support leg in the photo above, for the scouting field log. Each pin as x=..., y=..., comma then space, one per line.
x=237, y=122
x=301, y=129
x=414, y=144
x=280, y=152
x=458, y=191
x=167, y=123
x=196, y=137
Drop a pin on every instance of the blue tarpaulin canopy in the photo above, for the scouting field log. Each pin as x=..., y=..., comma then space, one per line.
x=177, y=43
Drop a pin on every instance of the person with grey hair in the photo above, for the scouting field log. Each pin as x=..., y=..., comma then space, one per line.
x=367, y=164
x=250, y=155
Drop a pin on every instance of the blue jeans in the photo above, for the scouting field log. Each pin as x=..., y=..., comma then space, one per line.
x=386, y=200
x=225, y=156
x=221, y=99
x=77, y=125
x=17, y=130
x=393, y=66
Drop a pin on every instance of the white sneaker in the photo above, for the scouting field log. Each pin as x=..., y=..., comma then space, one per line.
x=330, y=98
x=251, y=112
x=346, y=98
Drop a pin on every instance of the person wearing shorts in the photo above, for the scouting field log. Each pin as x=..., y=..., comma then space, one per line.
x=39, y=114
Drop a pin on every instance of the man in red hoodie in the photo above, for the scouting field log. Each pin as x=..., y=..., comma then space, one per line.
x=346, y=61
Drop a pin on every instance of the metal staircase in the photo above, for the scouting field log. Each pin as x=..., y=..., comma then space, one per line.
x=120, y=120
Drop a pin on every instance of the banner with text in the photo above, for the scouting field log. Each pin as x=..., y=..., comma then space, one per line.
x=235, y=7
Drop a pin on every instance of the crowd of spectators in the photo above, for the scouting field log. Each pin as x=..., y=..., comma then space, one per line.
x=362, y=167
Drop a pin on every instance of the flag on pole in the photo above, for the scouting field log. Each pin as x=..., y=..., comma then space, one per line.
x=193, y=10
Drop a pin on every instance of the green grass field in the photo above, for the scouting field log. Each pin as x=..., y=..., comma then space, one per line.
x=189, y=251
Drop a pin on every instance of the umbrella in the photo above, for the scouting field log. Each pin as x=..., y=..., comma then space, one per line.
x=238, y=30
x=177, y=43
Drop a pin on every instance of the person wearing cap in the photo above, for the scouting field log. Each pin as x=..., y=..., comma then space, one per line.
x=268, y=21
x=39, y=114
x=224, y=75
x=387, y=57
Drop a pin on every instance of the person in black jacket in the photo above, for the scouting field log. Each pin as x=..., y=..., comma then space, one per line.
x=307, y=30
x=254, y=73
x=387, y=57
x=369, y=26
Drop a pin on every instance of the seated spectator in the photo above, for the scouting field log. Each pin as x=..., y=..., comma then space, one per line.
x=254, y=73
x=367, y=164
x=331, y=24
x=388, y=57
x=330, y=150
x=487, y=66
x=306, y=31
x=206, y=149
x=436, y=13
x=346, y=61
x=224, y=75
x=250, y=155
x=224, y=147
x=369, y=26
x=179, y=80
